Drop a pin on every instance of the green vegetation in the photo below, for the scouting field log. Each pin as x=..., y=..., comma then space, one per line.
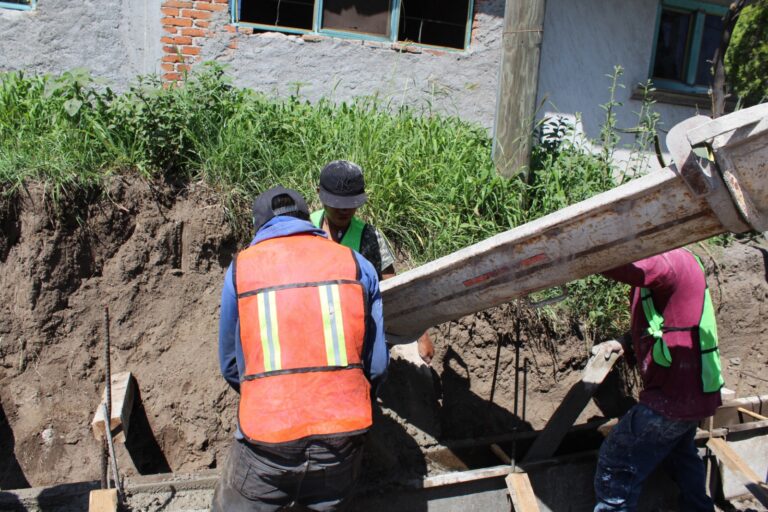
x=746, y=59
x=432, y=184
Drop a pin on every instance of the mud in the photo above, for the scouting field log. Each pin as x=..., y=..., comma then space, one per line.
x=156, y=255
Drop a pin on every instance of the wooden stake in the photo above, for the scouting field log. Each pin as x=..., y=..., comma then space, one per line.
x=521, y=492
x=103, y=500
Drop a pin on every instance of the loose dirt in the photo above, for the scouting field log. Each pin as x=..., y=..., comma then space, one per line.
x=156, y=256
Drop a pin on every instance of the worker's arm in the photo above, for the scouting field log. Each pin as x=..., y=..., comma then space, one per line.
x=656, y=272
x=375, y=350
x=228, y=333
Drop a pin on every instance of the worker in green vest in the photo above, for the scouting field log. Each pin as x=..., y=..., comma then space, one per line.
x=342, y=192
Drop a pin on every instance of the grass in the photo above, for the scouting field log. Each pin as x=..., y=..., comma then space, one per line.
x=432, y=185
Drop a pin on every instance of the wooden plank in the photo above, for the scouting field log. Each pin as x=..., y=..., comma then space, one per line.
x=518, y=84
x=731, y=459
x=122, y=404
x=103, y=500
x=466, y=476
x=569, y=409
x=521, y=492
x=501, y=454
x=752, y=414
x=728, y=414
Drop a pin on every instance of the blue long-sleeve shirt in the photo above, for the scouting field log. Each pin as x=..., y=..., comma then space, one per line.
x=375, y=351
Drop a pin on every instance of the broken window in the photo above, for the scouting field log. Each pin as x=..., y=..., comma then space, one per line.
x=434, y=22
x=687, y=34
x=430, y=22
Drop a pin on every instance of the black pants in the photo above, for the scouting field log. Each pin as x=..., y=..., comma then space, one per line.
x=317, y=474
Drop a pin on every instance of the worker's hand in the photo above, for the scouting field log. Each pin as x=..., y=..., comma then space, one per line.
x=607, y=348
x=426, y=348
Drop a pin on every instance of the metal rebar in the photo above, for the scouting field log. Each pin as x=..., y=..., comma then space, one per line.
x=107, y=370
x=525, y=384
x=499, y=342
x=517, y=360
x=104, y=457
x=113, y=460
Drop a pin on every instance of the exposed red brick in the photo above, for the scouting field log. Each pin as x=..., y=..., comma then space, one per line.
x=172, y=58
x=208, y=6
x=183, y=67
x=190, y=50
x=177, y=4
x=168, y=67
x=201, y=23
x=169, y=11
x=170, y=49
x=232, y=44
x=170, y=30
x=196, y=14
x=176, y=22
x=230, y=28
x=176, y=40
x=193, y=32
x=172, y=76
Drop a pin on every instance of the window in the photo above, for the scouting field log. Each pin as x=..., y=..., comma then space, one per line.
x=23, y=5
x=444, y=23
x=687, y=34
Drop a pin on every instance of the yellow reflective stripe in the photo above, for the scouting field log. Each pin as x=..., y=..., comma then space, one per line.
x=333, y=325
x=339, y=331
x=270, y=341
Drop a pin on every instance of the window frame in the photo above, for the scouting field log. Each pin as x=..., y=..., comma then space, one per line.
x=700, y=10
x=19, y=7
x=317, y=23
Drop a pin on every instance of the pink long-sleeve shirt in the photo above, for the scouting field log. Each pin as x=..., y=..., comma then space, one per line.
x=677, y=285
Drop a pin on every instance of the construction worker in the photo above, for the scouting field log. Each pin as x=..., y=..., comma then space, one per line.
x=342, y=192
x=674, y=342
x=301, y=339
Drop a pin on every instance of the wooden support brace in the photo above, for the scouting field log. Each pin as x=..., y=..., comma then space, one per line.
x=569, y=409
x=730, y=458
x=122, y=404
x=521, y=492
x=103, y=500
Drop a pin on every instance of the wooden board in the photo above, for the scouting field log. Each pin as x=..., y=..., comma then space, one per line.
x=731, y=459
x=568, y=411
x=103, y=500
x=521, y=492
x=122, y=404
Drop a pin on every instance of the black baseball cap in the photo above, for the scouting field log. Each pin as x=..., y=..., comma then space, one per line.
x=342, y=185
x=278, y=201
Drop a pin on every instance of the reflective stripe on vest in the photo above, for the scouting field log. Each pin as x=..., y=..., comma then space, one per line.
x=352, y=237
x=302, y=314
x=711, y=374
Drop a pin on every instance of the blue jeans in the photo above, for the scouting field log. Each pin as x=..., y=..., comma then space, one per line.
x=641, y=441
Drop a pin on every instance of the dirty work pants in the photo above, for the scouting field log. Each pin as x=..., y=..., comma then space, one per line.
x=316, y=474
x=641, y=441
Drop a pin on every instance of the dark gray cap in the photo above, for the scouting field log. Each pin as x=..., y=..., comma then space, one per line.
x=342, y=185
x=278, y=201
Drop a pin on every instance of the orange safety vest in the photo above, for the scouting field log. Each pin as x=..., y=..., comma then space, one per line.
x=302, y=315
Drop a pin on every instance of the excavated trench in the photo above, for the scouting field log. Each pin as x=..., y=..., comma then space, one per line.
x=156, y=256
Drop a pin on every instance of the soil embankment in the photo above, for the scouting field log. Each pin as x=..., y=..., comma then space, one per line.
x=156, y=256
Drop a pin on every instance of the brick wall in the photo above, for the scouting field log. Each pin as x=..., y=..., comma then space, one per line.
x=186, y=24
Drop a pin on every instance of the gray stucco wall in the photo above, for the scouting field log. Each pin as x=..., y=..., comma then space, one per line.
x=451, y=82
x=115, y=39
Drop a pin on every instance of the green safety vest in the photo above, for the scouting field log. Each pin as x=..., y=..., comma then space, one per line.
x=711, y=375
x=354, y=234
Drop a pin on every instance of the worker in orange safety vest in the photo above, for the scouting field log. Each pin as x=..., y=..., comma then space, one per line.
x=301, y=340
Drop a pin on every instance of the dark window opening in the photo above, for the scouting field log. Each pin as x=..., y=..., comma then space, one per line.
x=713, y=32
x=672, y=44
x=434, y=22
x=685, y=45
x=361, y=16
x=296, y=14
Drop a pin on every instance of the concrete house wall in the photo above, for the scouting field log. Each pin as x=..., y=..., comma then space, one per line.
x=119, y=39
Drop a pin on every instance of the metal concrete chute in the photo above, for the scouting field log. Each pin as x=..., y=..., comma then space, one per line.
x=717, y=184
